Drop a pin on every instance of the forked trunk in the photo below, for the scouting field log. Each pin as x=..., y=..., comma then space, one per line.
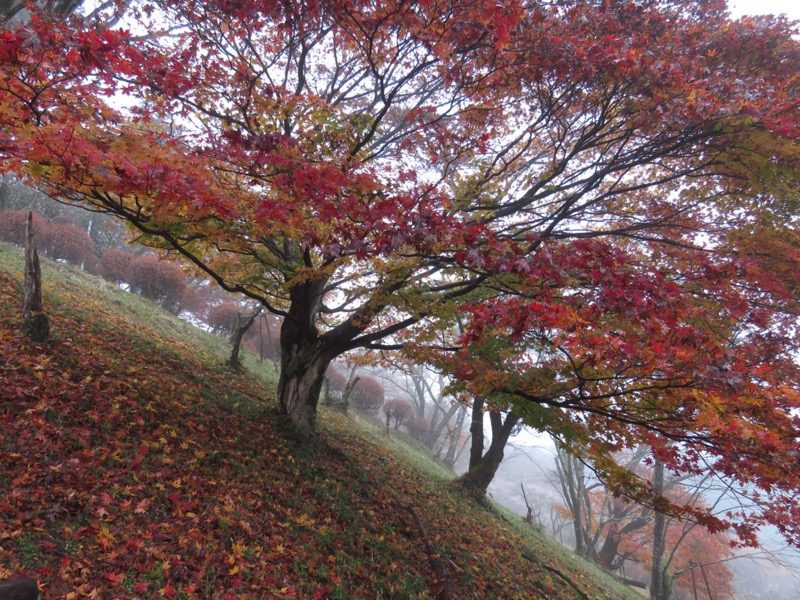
x=479, y=477
x=483, y=468
x=305, y=353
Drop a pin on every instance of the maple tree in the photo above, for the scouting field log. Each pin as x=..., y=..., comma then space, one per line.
x=483, y=464
x=601, y=193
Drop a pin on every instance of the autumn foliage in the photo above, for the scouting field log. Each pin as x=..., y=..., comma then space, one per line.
x=367, y=395
x=116, y=265
x=336, y=379
x=12, y=226
x=223, y=318
x=585, y=210
x=66, y=241
x=161, y=281
x=398, y=411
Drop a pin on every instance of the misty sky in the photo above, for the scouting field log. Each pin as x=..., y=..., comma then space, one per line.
x=791, y=8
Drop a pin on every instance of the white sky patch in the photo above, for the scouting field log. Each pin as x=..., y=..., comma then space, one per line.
x=791, y=8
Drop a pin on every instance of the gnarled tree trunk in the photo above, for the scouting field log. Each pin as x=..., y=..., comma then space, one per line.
x=302, y=374
x=305, y=356
x=305, y=353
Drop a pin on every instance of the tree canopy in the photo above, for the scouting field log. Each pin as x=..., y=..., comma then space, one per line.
x=600, y=196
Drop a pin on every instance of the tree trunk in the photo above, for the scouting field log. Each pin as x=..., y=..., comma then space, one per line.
x=572, y=479
x=305, y=355
x=36, y=324
x=483, y=467
x=661, y=582
x=609, y=556
x=302, y=373
x=242, y=325
x=455, y=434
x=5, y=190
x=435, y=430
x=476, y=429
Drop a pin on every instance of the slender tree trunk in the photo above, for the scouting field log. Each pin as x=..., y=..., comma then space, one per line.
x=435, y=431
x=242, y=325
x=573, y=490
x=661, y=582
x=455, y=434
x=419, y=389
x=352, y=381
x=5, y=186
x=36, y=324
x=482, y=472
x=261, y=340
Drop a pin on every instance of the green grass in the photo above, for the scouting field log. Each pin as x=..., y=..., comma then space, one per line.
x=135, y=464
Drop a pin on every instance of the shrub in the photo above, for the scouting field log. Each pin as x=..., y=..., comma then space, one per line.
x=161, y=281
x=194, y=300
x=116, y=265
x=223, y=318
x=367, y=395
x=336, y=379
x=399, y=410
x=418, y=427
x=66, y=241
x=12, y=227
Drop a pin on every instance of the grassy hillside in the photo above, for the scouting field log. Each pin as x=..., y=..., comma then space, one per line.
x=133, y=464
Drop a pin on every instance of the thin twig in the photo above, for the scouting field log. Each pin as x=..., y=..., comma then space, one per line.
x=559, y=574
x=437, y=564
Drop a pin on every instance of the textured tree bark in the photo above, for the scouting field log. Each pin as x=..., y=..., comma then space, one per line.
x=243, y=324
x=484, y=467
x=305, y=355
x=302, y=374
x=476, y=429
x=36, y=325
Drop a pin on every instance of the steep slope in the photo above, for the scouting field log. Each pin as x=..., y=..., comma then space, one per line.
x=134, y=465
